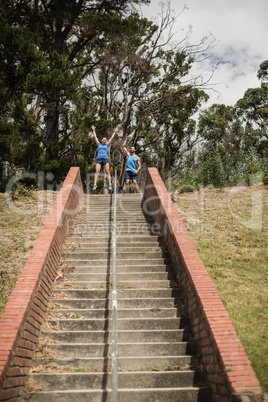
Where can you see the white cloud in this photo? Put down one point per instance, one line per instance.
(240, 29)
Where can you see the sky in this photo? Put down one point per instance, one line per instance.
(240, 32)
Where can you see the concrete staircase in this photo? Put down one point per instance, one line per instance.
(156, 353)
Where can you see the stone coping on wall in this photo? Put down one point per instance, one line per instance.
(229, 371)
(23, 315)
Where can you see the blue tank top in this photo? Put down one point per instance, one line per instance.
(132, 163)
(102, 151)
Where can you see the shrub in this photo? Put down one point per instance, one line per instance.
(186, 184)
(250, 170)
(265, 175)
(212, 172)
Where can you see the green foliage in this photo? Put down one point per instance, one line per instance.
(249, 170)
(212, 172)
(46, 51)
(252, 109)
(58, 169)
(186, 184)
(213, 123)
(263, 72)
(23, 189)
(265, 175)
(67, 65)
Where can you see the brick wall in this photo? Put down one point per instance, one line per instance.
(229, 371)
(23, 315)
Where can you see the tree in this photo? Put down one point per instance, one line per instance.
(253, 110)
(143, 83)
(97, 62)
(51, 52)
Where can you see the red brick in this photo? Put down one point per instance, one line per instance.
(21, 362)
(14, 382)
(26, 344)
(18, 371)
(10, 393)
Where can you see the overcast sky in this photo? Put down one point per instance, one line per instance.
(240, 29)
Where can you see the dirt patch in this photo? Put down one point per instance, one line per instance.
(60, 295)
(63, 315)
(56, 306)
(43, 351)
(32, 385)
(49, 326)
(44, 339)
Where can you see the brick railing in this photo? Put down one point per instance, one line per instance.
(229, 371)
(23, 315)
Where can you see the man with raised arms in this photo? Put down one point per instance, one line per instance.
(133, 166)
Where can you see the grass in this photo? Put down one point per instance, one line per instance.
(21, 221)
(230, 231)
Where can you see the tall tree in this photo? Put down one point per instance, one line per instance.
(62, 36)
(144, 76)
(253, 109)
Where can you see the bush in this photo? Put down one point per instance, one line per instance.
(265, 175)
(251, 170)
(22, 189)
(212, 172)
(187, 184)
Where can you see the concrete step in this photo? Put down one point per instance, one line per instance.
(128, 276)
(68, 263)
(120, 241)
(98, 245)
(124, 255)
(121, 313)
(131, 380)
(122, 262)
(65, 284)
(107, 212)
(97, 231)
(104, 364)
(119, 249)
(95, 221)
(171, 335)
(138, 230)
(129, 324)
(122, 303)
(101, 269)
(185, 394)
(75, 350)
(121, 293)
(124, 215)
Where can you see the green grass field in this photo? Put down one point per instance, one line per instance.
(230, 231)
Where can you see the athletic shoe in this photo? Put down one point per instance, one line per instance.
(110, 187)
(94, 186)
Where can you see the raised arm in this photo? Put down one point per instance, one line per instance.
(94, 135)
(124, 146)
(112, 137)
